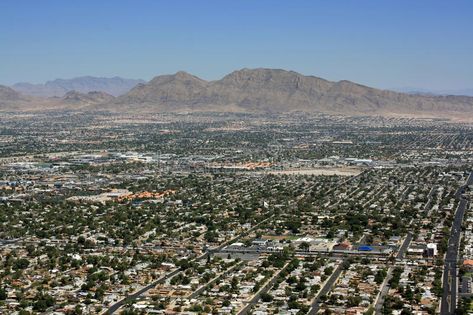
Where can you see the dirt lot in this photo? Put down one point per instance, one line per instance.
(340, 171)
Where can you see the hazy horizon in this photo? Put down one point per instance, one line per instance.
(385, 45)
(402, 89)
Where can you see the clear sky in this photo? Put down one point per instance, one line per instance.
(383, 43)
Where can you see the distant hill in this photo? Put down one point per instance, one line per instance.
(275, 90)
(114, 86)
(8, 94)
(94, 97)
(9, 98)
(254, 90)
(412, 90)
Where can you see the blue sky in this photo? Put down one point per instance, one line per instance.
(389, 43)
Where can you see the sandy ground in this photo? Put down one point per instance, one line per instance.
(340, 171)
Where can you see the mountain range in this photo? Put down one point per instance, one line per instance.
(414, 90)
(254, 90)
(114, 86)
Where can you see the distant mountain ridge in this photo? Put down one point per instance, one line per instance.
(420, 91)
(276, 90)
(8, 94)
(11, 99)
(252, 90)
(114, 86)
(94, 97)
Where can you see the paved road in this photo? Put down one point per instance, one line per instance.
(135, 295)
(325, 289)
(263, 290)
(403, 196)
(450, 276)
(328, 285)
(199, 291)
(112, 309)
(8, 242)
(428, 204)
(404, 246)
(335, 253)
(378, 305)
(461, 190)
(450, 286)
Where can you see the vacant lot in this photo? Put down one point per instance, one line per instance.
(328, 171)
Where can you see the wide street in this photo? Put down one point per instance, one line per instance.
(450, 276)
